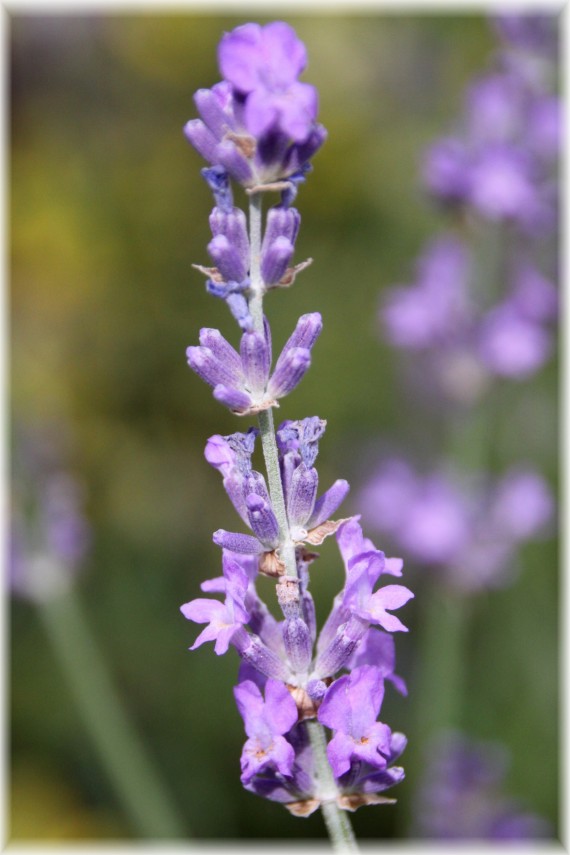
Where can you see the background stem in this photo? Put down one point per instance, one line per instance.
(121, 750)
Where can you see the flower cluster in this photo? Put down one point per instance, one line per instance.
(259, 123)
(498, 171)
(469, 530)
(462, 795)
(258, 128)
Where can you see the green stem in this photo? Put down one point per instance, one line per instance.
(121, 750)
(336, 820)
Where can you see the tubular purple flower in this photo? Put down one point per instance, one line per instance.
(215, 108)
(350, 708)
(202, 139)
(276, 259)
(255, 360)
(265, 724)
(298, 644)
(327, 504)
(227, 259)
(231, 158)
(304, 335)
(289, 372)
(262, 521)
(257, 654)
(222, 350)
(301, 495)
(243, 543)
(212, 369)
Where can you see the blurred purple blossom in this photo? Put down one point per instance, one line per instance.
(50, 534)
(462, 795)
(466, 529)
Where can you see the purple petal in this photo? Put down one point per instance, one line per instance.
(250, 704)
(262, 521)
(389, 597)
(203, 610)
(280, 708)
(339, 752)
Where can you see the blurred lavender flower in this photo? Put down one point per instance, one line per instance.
(49, 535)
(500, 168)
(462, 797)
(467, 530)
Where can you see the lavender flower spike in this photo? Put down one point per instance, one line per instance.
(258, 127)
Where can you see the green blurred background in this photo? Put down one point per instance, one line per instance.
(108, 211)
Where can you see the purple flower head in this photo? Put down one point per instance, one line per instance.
(364, 566)
(435, 309)
(502, 185)
(495, 108)
(263, 64)
(259, 124)
(446, 170)
(350, 708)
(223, 619)
(511, 345)
(266, 721)
(242, 382)
(522, 505)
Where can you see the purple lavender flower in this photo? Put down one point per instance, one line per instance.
(510, 345)
(223, 619)
(242, 382)
(263, 64)
(258, 127)
(259, 123)
(350, 708)
(266, 722)
(462, 797)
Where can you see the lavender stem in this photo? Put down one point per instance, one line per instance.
(336, 820)
(265, 418)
